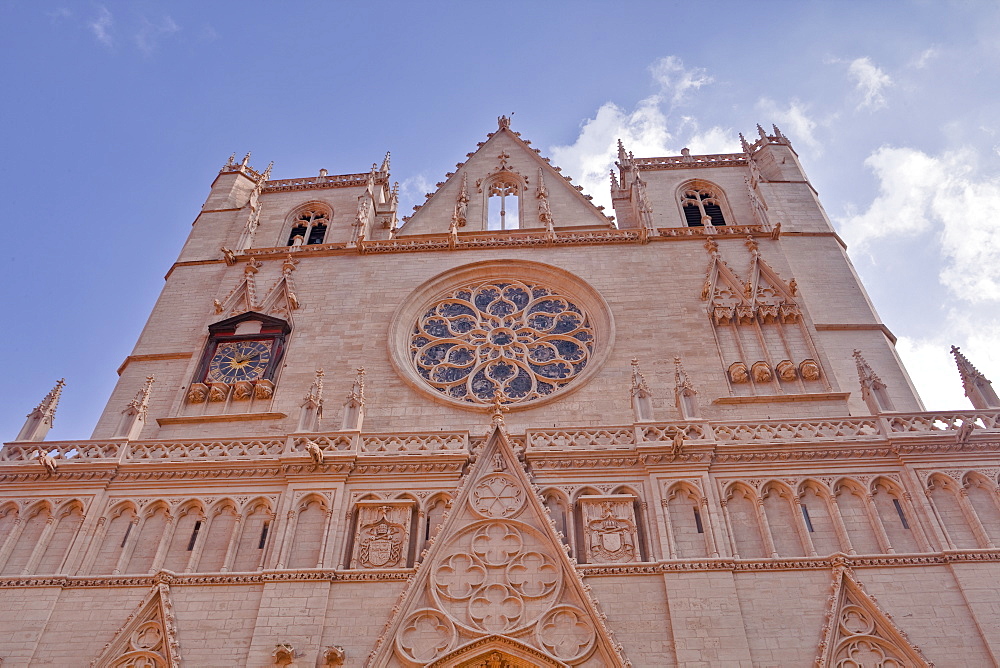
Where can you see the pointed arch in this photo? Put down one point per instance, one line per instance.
(311, 519)
(308, 224)
(255, 532)
(558, 504)
(216, 535)
(35, 519)
(687, 523)
(944, 494)
(119, 524)
(189, 526)
(502, 201)
(144, 545)
(894, 514)
(434, 512)
(778, 502)
(985, 502)
(816, 507)
(744, 522)
(698, 199)
(68, 517)
(852, 504)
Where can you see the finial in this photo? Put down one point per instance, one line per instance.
(760, 131)
(246, 160)
(498, 409)
(977, 387)
(358, 387)
(873, 390)
(744, 144)
(267, 172)
(639, 385)
(503, 122)
(777, 132)
(685, 396)
(614, 180)
(47, 406)
(231, 162)
(385, 163)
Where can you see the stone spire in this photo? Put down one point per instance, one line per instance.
(685, 395)
(354, 407)
(642, 398)
(312, 405)
(977, 387)
(134, 414)
(40, 420)
(385, 163)
(873, 390)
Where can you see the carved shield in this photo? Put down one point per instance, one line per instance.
(382, 552)
(611, 541)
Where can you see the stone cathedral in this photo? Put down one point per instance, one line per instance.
(510, 430)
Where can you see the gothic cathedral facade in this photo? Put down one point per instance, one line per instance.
(510, 430)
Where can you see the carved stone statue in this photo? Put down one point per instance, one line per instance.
(786, 370)
(47, 461)
(315, 452)
(761, 372)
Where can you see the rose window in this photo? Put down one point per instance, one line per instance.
(516, 340)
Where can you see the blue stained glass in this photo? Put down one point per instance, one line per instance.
(485, 297)
(437, 328)
(452, 309)
(501, 371)
(567, 323)
(541, 321)
(568, 349)
(542, 353)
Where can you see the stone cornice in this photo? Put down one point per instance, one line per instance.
(181, 579)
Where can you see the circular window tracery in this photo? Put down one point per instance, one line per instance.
(519, 340)
(515, 331)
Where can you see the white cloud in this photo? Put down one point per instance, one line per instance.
(925, 57)
(944, 195)
(101, 26)
(676, 80)
(794, 121)
(412, 191)
(148, 37)
(932, 367)
(645, 130)
(870, 81)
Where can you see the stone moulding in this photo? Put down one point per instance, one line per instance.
(586, 570)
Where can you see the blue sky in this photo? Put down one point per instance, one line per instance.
(117, 116)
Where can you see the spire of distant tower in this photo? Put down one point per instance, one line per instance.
(977, 387)
(873, 390)
(41, 418)
(134, 414)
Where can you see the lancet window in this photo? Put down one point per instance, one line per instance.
(503, 198)
(701, 201)
(309, 227)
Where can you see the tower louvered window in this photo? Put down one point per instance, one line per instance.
(310, 227)
(699, 203)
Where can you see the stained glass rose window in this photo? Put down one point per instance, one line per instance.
(519, 340)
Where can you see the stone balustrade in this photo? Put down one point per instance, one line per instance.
(870, 429)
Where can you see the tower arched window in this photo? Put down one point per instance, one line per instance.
(700, 201)
(503, 199)
(309, 227)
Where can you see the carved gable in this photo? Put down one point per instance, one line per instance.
(496, 568)
(504, 164)
(859, 633)
(148, 639)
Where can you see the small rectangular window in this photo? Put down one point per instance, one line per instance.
(805, 516)
(697, 521)
(263, 536)
(899, 511)
(194, 535)
(128, 530)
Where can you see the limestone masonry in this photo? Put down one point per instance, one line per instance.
(511, 430)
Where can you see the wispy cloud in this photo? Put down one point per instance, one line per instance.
(925, 57)
(795, 120)
(676, 80)
(59, 13)
(870, 81)
(149, 34)
(102, 25)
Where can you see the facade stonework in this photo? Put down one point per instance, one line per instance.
(511, 429)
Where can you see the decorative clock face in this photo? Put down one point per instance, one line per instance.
(236, 361)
